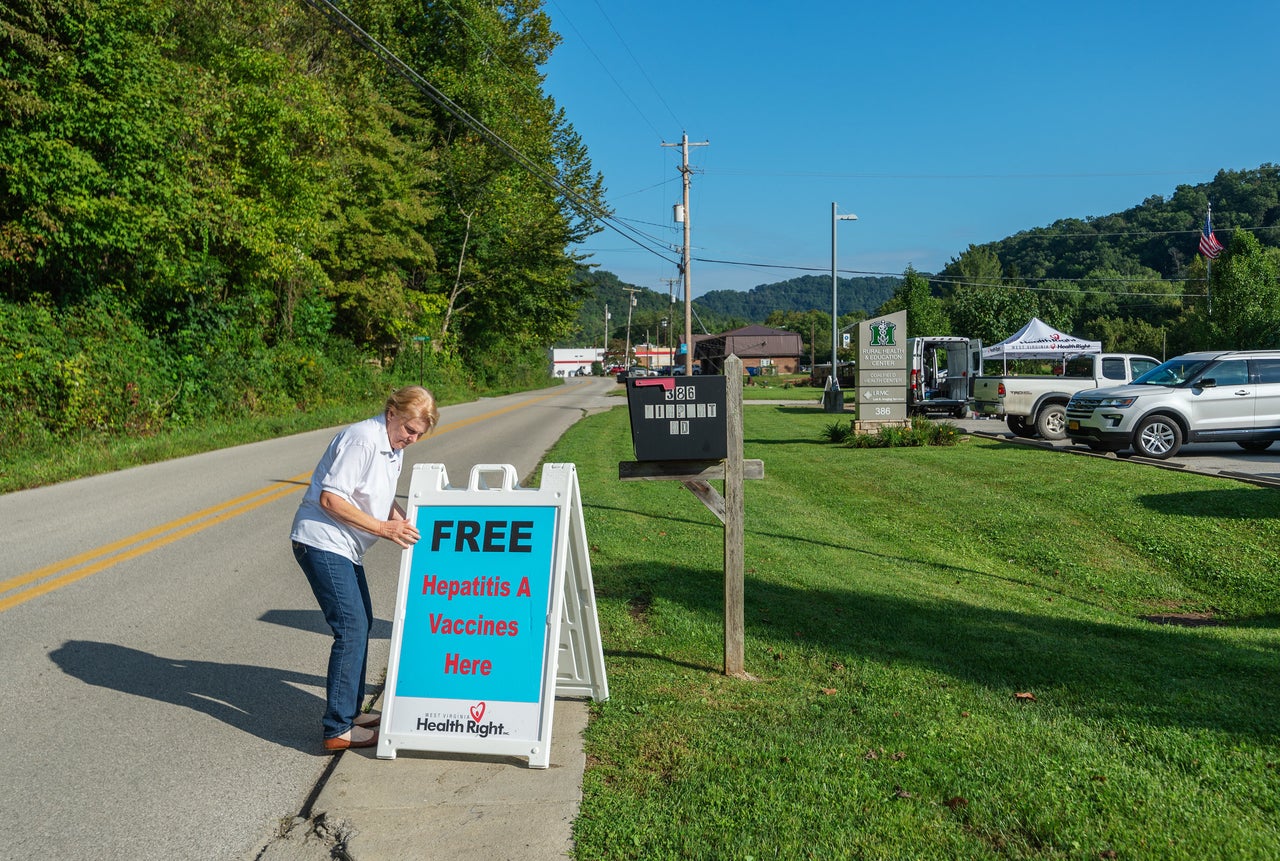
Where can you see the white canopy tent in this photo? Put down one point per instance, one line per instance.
(1039, 340)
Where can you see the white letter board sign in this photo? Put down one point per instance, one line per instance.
(495, 615)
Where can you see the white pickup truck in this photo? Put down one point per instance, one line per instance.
(1038, 404)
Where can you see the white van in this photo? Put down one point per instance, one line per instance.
(940, 379)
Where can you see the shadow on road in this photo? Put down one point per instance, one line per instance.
(261, 701)
(312, 621)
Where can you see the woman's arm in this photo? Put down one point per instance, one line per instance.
(395, 528)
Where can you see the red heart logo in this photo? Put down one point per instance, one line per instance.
(477, 712)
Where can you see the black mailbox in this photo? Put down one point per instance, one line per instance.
(678, 418)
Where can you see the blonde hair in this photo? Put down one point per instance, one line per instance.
(414, 403)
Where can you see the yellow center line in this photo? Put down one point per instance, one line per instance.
(58, 582)
(167, 533)
(89, 555)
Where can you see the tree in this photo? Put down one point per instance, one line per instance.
(1245, 296)
(813, 327)
(503, 233)
(925, 314)
(977, 266)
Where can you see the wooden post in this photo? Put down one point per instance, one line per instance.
(734, 527)
(729, 509)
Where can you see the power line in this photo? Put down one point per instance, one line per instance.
(960, 282)
(937, 176)
(584, 206)
(643, 73)
(937, 278)
(562, 16)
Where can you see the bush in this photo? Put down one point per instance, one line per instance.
(837, 432)
(921, 432)
(84, 369)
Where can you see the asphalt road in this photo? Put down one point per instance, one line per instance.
(164, 659)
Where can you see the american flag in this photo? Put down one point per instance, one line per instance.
(1209, 245)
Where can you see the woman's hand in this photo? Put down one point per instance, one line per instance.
(400, 531)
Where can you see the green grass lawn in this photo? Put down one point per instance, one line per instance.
(780, 389)
(949, 653)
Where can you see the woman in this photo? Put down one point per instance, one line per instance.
(350, 504)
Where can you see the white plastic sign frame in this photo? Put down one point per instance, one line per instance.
(495, 615)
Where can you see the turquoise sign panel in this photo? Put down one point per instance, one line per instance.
(475, 617)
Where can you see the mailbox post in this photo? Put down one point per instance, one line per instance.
(689, 429)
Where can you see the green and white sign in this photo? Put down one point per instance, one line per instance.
(882, 368)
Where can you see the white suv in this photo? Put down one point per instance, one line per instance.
(1198, 397)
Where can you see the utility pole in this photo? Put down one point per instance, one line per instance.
(631, 303)
(683, 215)
(671, 327)
(604, 353)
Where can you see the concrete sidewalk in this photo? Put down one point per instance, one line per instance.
(441, 805)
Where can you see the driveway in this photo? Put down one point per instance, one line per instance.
(1215, 458)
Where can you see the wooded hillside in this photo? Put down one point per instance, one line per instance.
(1134, 280)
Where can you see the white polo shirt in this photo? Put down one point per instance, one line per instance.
(360, 466)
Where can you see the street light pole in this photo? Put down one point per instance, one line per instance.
(833, 400)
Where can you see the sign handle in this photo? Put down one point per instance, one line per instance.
(505, 473)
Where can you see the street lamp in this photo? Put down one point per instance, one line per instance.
(833, 398)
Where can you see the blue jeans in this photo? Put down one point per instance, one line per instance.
(340, 587)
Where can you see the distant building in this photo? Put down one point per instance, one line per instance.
(761, 349)
(574, 361)
(649, 356)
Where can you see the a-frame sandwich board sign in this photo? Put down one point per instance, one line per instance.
(495, 615)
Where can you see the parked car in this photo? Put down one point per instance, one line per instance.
(1033, 405)
(635, 371)
(1222, 396)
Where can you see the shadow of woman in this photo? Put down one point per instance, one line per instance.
(262, 701)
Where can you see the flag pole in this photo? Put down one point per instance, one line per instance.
(1208, 263)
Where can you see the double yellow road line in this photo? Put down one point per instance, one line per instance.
(33, 584)
(59, 574)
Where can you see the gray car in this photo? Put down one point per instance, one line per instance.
(1218, 396)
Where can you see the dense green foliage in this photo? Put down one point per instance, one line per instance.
(211, 208)
(925, 313)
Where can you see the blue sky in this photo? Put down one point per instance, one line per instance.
(938, 124)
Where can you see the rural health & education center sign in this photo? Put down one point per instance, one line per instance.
(882, 368)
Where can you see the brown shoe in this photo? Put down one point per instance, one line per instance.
(354, 737)
(368, 719)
